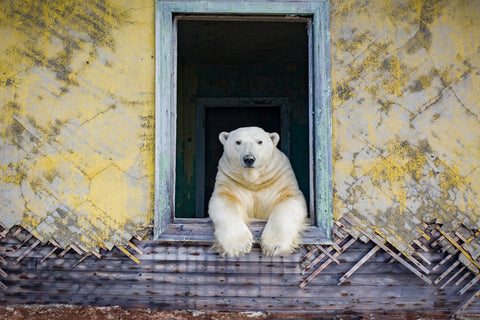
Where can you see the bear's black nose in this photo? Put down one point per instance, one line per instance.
(249, 160)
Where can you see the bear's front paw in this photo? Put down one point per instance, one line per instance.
(233, 241)
(273, 244)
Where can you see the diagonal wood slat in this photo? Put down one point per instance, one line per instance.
(443, 262)
(467, 303)
(82, 259)
(128, 254)
(469, 284)
(328, 254)
(462, 278)
(446, 272)
(394, 255)
(27, 251)
(350, 272)
(434, 238)
(55, 248)
(320, 257)
(449, 280)
(459, 247)
(326, 263)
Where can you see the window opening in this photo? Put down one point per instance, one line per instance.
(176, 114)
(234, 74)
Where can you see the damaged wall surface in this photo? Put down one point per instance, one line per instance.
(77, 125)
(406, 108)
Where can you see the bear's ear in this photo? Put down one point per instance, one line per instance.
(275, 138)
(223, 136)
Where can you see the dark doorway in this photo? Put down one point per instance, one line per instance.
(261, 69)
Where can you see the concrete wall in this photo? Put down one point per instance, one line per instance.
(77, 124)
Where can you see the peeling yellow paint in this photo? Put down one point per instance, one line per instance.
(406, 115)
(76, 85)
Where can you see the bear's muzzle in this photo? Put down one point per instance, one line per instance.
(248, 161)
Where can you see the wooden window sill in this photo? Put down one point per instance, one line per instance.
(202, 231)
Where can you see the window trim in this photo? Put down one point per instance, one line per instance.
(168, 228)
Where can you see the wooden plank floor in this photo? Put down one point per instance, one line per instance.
(185, 276)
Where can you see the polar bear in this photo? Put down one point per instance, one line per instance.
(255, 181)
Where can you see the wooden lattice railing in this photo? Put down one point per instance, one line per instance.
(458, 267)
(455, 268)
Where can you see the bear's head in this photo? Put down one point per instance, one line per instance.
(249, 147)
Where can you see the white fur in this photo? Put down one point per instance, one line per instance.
(267, 190)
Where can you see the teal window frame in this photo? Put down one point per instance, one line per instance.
(166, 226)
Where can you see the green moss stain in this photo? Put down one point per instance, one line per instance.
(355, 44)
(65, 121)
(13, 174)
(428, 11)
(396, 77)
(420, 84)
(10, 127)
(73, 25)
(402, 79)
(343, 91)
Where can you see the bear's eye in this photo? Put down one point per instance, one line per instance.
(238, 142)
(260, 142)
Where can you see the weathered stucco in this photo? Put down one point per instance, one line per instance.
(406, 108)
(77, 130)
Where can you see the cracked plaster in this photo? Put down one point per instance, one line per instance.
(76, 85)
(405, 79)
